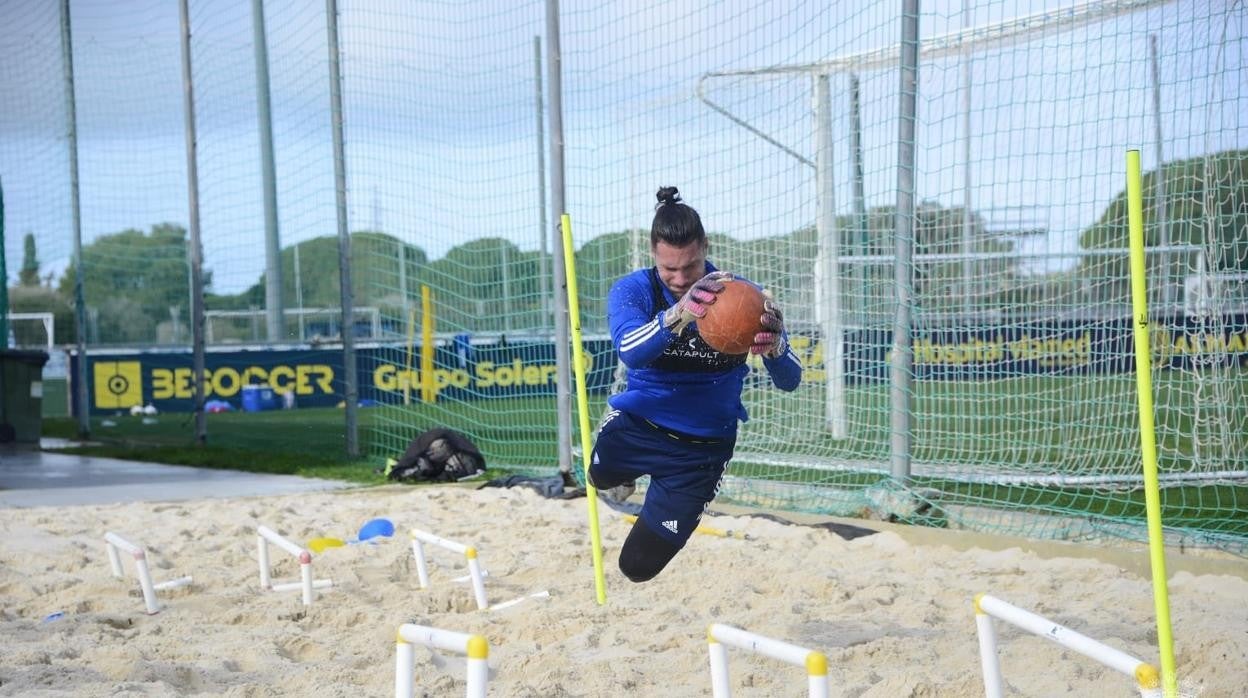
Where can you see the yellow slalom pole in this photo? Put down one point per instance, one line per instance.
(428, 389)
(411, 347)
(1148, 444)
(582, 404)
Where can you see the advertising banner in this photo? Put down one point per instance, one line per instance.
(464, 370)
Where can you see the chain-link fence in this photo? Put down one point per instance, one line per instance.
(956, 175)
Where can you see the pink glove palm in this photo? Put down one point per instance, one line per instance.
(770, 342)
(692, 305)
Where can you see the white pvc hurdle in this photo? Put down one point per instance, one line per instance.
(520, 600)
(718, 635)
(987, 607)
(264, 536)
(475, 647)
(469, 553)
(114, 542)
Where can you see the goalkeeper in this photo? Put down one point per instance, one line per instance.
(676, 420)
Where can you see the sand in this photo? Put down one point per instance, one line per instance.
(894, 619)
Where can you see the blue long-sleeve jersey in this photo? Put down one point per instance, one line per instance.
(680, 382)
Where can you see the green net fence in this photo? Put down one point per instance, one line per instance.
(783, 126)
(34, 159)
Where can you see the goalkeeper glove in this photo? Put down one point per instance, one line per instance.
(692, 305)
(770, 342)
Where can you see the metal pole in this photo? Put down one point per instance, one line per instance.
(554, 63)
(543, 273)
(901, 367)
(403, 277)
(80, 305)
(968, 281)
(274, 314)
(860, 197)
(175, 312)
(1159, 179)
(194, 248)
(375, 226)
(506, 271)
(350, 389)
(604, 286)
(637, 237)
(299, 294)
(828, 270)
(4, 289)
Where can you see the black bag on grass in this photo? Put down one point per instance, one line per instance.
(438, 455)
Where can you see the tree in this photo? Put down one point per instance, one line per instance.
(375, 273)
(41, 299)
(599, 263)
(468, 282)
(132, 280)
(382, 267)
(29, 274)
(1206, 205)
(786, 262)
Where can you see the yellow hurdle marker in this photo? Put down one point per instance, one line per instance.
(705, 530)
(989, 607)
(428, 386)
(115, 542)
(718, 635)
(475, 647)
(266, 535)
(582, 406)
(411, 348)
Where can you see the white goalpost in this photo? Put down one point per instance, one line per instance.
(38, 331)
(827, 270)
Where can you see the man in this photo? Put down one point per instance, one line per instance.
(676, 420)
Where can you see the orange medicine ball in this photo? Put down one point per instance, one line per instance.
(734, 318)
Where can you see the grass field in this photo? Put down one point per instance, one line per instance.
(307, 442)
(1037, 425)
(1051, 424)
(518, 432)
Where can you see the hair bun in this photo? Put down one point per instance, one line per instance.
(668, 195)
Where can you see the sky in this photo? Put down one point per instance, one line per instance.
(442, 133)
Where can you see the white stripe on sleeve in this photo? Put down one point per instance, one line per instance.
(638, 336)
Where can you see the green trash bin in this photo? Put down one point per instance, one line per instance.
(21, 396)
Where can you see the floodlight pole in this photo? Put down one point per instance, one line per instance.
(80, 304)
(350, 389)
(828, 269)
(195, 249)
(1159, 179)
(968, 282)
(543, 274)
(558, 205)
(273, 306)
(861, 222)
(902, 364)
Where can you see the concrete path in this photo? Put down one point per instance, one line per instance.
(30, 478)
